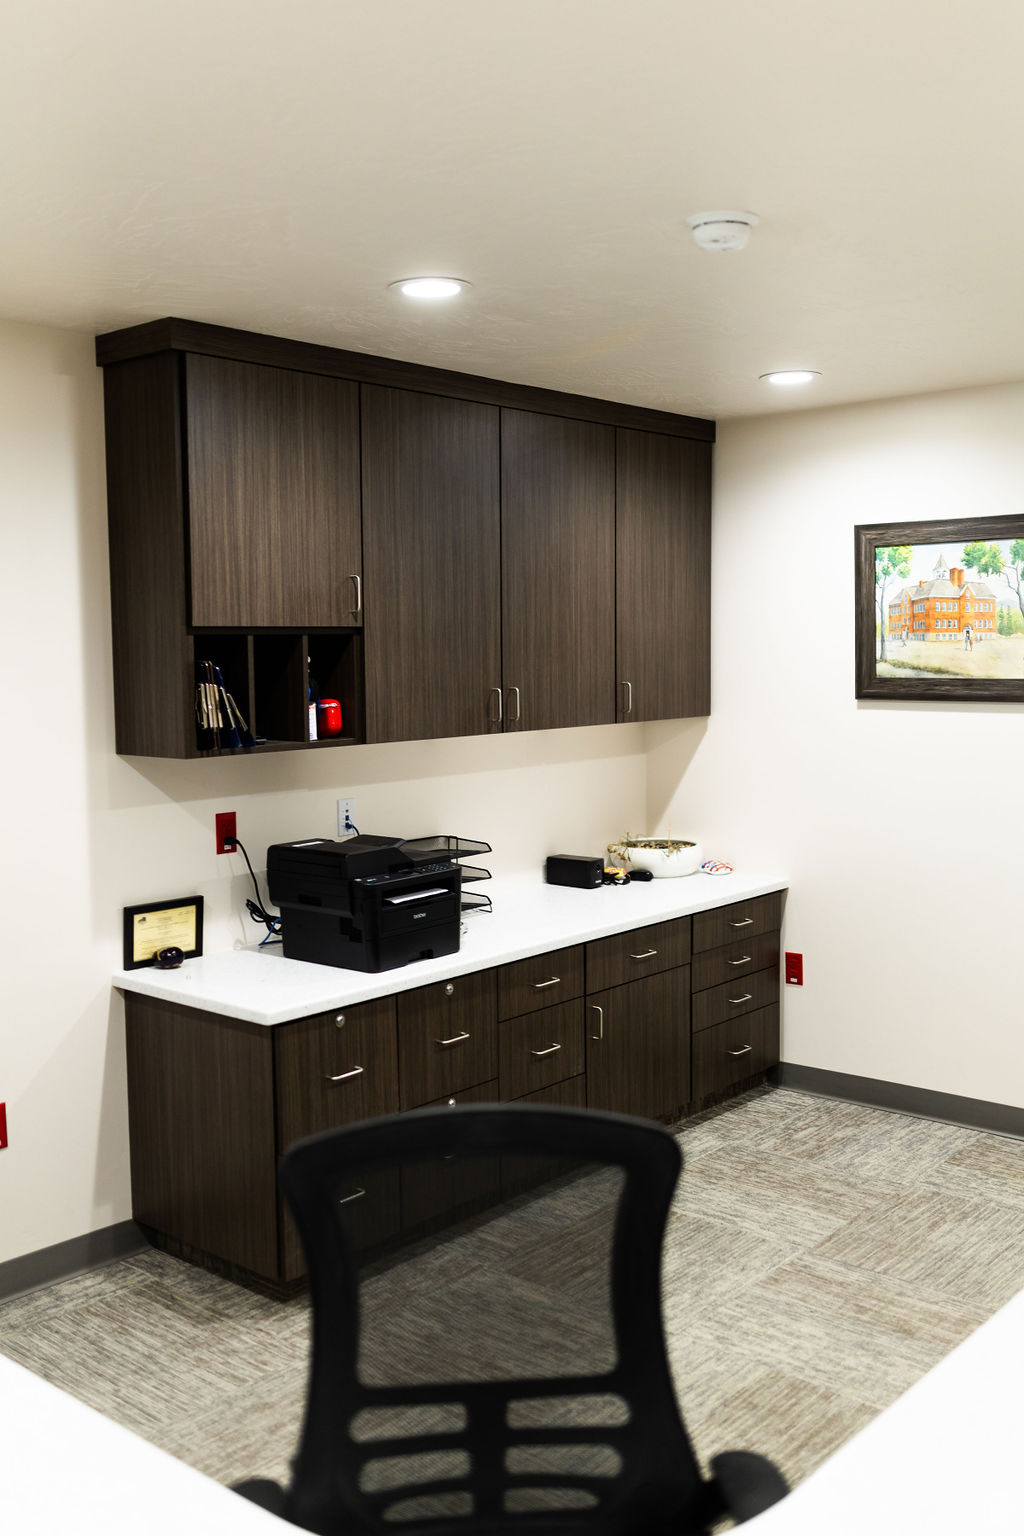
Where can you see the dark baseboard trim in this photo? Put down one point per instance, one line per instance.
(71, 1258)
(978, 1114)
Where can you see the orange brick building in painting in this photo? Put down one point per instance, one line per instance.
(943, 608)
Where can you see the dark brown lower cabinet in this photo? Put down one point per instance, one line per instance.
(450, 1187)
(729, 1053)
(638, 1045)
(214, 1102)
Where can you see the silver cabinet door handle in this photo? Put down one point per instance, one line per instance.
(600, 1022)
(495, 719)
(342, 1075)
(547, 1052)
(744, 999)
(741, 1052)
(539, 986)
(646, 955)
(346, 1199)
(743, 960)
(455, 1039)
(744, 922)
(627, 708)
(357, 590)
(514, 719)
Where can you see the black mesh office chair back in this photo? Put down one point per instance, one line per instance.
(595, 1445)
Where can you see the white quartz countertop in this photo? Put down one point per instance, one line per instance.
(529, 917)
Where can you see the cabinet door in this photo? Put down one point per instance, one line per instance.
(273, 489)
(663, 576)
(433, 552)
(638, 1046)
(557, 571)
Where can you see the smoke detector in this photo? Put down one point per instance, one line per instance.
(727, 229)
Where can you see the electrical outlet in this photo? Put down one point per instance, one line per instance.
(346, 818)
(226, 831)
(794, 969)
(3, 1126)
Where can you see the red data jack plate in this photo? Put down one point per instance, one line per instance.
(794, 969)
(225, 831)
(3, 1126)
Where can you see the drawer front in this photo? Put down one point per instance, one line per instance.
(730, 1052)
(744, 995)
(625, 956)
(540, 1049)
(540, 982)
(430, 1190)
(447, 1038)
(714, 967)
(521, 1173)
(744, 919)
(335, 1068)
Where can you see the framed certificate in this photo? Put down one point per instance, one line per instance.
(161, 925)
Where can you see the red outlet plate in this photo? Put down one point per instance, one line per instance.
(794, 970)
(3, 1126)
(226, 831)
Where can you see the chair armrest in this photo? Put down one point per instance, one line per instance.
(748, 1483)
(263, 1491)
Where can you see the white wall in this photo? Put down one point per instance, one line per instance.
(87, 832)
(900, 826)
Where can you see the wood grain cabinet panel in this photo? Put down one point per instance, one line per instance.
(336, 1068)
(522, 1173)
(447, 1038)
(638, 1046)
(274, 497)
(714, 967)
(741, 919)
(433, 1190)
(557, 571)
(663, 576)
(730, 1053)
(433, 565)
(744, 995)
(540, 982)
(540, 1049)
(641, 952)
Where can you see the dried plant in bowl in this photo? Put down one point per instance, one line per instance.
(665, 857)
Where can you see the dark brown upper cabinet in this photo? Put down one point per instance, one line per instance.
(432, 548)
(557, 571)
(663, 576)
(273, 496)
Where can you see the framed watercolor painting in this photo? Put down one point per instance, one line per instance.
(940, 610)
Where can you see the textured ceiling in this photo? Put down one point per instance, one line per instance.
(274, 165)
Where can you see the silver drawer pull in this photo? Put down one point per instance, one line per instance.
(342, 1075)
(744, 999)
(455, 1039)
(645, 956)
(743, 960)
(547, 1052)
(347, 1199)
(600, 1022)
(744, 922)
(539, 986)
(741, 1052)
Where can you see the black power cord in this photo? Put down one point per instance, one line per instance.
(257, 911)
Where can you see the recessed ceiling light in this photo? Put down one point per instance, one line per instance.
(430, 287)
(788, 376)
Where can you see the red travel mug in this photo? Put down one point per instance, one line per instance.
(328, 713)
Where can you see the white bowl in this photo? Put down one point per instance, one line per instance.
(665, 857)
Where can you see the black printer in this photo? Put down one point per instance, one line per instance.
(368, 903)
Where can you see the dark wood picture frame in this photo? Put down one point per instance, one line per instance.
(870, 537)
(131, 913)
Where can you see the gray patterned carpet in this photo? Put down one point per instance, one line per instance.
(820, 1258)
